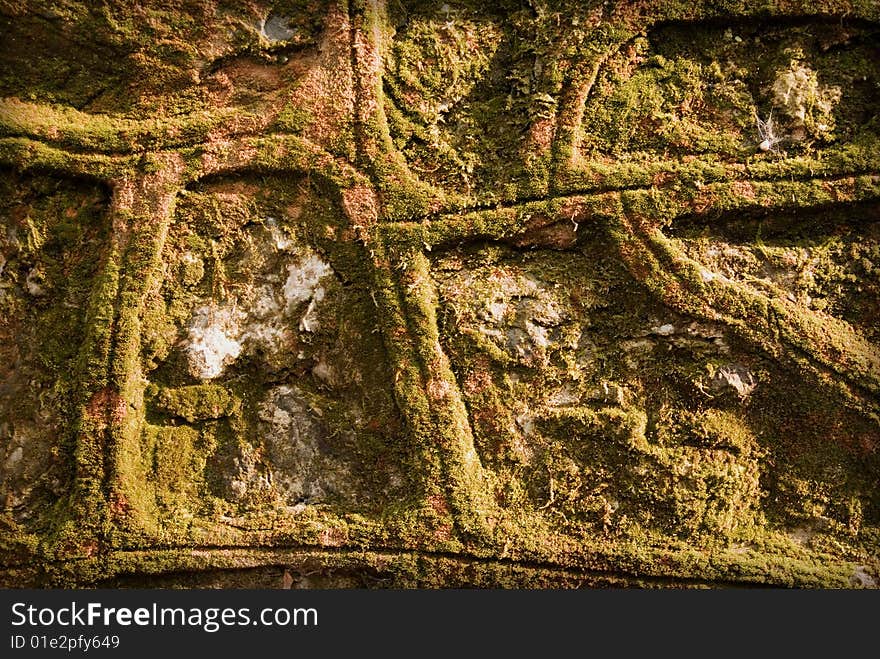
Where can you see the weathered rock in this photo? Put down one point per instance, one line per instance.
(735, 378)
(299, 449)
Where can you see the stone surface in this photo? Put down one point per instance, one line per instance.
(328, 294)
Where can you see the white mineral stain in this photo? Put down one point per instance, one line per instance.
(259, 317)
(213, 341)
(269, 336)
(282, 241)
(31, 284)
(302, 280)
(309, 322)
(276, 28)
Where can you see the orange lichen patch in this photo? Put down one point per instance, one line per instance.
(672, 290)
(479, 379)
(843, 189)
(444, 532)
(439, 505)
(89, 548)
(124, 191)
(540, 137)
(294, 211)
(106, 406)
(551, 232)
(333, 536)
(743, 190)
(702, 201)
(559, 235)
(222, 154)
(220, 89)
(438, 389)
(398, 332)
(360, 206)
(365, 47)
(254, 75)
(443, 529)
(488, 419)
(574, 99)
(118, 504)
(153, 195)
(632, 257)
(644, 224)
(325, 90)
(869, 443)
(662, 178)
(234, 192)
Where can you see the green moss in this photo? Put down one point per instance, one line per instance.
(199, 402)
(292, 119)
(177, 458)
(72, 129)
